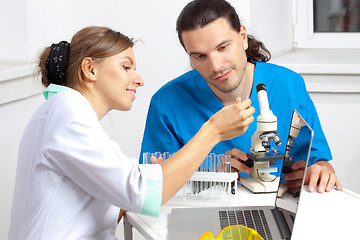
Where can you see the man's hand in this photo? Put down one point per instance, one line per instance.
(294, 179)
(236, 164)
(321, 173)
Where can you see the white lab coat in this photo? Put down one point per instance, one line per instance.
(70, 175)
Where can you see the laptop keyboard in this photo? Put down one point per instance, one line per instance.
(254, 219)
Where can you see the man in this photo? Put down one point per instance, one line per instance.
(229, 64)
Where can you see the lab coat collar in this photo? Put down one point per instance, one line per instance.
(54, 88)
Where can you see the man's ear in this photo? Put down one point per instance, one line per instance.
(244, 37)
(87, 68)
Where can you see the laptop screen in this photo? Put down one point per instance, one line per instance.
(297, 152)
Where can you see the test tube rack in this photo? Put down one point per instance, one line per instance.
(213, 179)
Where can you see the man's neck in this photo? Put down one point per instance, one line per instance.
(243, 90)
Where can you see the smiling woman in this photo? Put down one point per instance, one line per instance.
(112, 82)
(71, 178)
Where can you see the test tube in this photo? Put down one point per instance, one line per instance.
(207, 164)
(219, 185)
(227, 163)
(210, 183)
(243, 97)
(166, 155)
(207, 169)
(200, 169)
(227, 170)
(213, 158)
(157, 155)
(146, 158)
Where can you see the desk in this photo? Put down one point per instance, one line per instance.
(319, 216)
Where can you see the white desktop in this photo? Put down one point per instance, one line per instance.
(320, 216)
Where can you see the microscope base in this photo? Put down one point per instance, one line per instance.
(258, 186)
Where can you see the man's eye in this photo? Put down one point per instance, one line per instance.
(200, 57)
(126, 68)
(221, 48)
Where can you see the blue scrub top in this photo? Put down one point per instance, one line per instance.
(180, 107)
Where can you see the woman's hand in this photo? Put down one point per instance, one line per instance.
(233, 120)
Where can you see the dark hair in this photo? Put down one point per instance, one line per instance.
(199, 13)
(94, 42)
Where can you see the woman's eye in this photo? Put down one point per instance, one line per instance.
(126, 68)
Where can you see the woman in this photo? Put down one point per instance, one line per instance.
(71, 178)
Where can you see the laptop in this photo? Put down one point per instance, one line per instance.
(271, 222)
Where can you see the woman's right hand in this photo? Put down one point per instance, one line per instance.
(233, 120)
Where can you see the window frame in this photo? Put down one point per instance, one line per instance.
(306, 38)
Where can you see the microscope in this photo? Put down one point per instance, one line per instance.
(261, 156)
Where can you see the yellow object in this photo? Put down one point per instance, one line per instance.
(233, 232)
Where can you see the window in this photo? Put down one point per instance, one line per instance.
(327, 24)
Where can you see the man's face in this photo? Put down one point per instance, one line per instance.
(217, 52)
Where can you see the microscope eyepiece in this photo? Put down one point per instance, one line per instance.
(260, 87)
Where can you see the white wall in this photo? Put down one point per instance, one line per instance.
(29, 25)
(339, 116)
(272, 23)
(14, 45)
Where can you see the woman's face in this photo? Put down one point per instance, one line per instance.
(116, 80)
